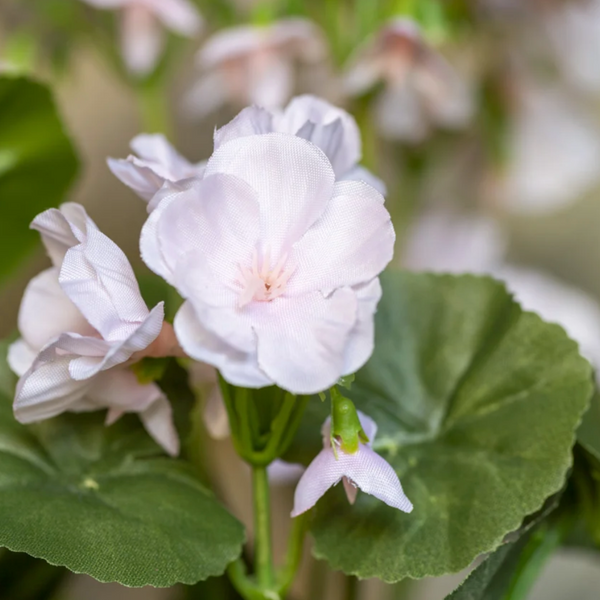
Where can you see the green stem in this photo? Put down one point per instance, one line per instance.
(154, 110)
(238, 576)
(263, 550)
(294, 554)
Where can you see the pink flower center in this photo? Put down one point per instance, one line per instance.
(261, 282)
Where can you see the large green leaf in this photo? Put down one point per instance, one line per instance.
(105, 502)
(37, 164)
(477, 404)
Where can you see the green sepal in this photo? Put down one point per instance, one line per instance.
(346, 431)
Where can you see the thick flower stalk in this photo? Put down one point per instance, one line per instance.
(278, 263)
(82, 322)
(361, 468)
(142, 22)
(254, 65)
(421, 88)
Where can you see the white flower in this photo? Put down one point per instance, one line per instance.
(330, 128)
(364, 470)
(81, 322)
(156, 162)
(142, 38)
(277, 262)
(422, 88)
(253, 65)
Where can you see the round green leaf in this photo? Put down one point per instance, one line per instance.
(477, 404)
(37, 164)
(103, 501)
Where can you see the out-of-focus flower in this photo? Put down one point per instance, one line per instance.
(254, 65)
(330, 128)
(447, 242)
(421, 88)
(553, 153)
(142, 36)
(364, 470)
(156, 162)
(277, 262)
(82, 321)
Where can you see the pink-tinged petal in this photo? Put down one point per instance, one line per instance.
(46, 311)
(362, 75)
(180, 16)
(362, 337)
(400, 114)
(358, 173)
(215, 416)
(322, 473)
(112, 416)
(142, 39)
(374, 476)
(301, 340)
(350, 489)
(330, 128)
(253, 120)
(21, 356)
(230, 44)
(350, 244)
(281, 472)
(292, 178)
(238, 368)
(47, 389)
(99, 280)
(271, 80)
(299, 38)
(62, 229)
(158, 421)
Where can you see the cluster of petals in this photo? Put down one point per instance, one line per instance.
(142, 22)
(254, 64)
(421, 88)
(277, 261)
(365, 470)
(83, 322)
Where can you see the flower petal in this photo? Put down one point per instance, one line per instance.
(253, 120)
(301, 340)
(142, 39)
(359, 173)
(137, 175)
(350, 244)
(215, 416)
(180, 16)
(21, 356)
(292, 178)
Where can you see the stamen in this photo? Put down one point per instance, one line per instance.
(259, 282)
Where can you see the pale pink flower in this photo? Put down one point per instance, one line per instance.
(142, 22)
(364, 470)
(82, 321)
(330, 128)
(154, 163)
(277, 261)
(421, 88)
(254, 65)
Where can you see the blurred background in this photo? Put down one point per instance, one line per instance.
(482, 118)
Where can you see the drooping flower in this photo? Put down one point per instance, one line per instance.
(278, 263)
(330, 128)
(364, 470)
(156, 162)
(254, 65)
(82, 322)
(142, 37)
(421, 88)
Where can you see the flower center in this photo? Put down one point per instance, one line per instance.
(261, 282)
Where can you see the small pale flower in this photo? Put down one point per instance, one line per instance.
(421, 88)
(155, 162)
(277, 261)
(254, 65)
(82, 322)
(142, 37)
(364, 470)
(330, 128)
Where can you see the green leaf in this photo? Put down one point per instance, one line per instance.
(37, 164)
(477, 404)
(103, 501)
(588, 434)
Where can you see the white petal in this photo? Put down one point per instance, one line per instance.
(299, 38)
(238, 368)
(350, 244)
(283, 473)
(270, 80)
(46, 311)
(359, 173)
(361, 340)
(292, 178)
(205, 96)
(400, 114)
(62, 229)
(142, 39)
(158, 421)
(301, 340)
(21, 356)
(137, 175)
(330, 128)
(181, 16)
(253, 120)
(231, 43)
(215, 416)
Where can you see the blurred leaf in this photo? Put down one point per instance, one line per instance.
(588, 434)
(37, 164)
(477, 404)
(103, 501)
